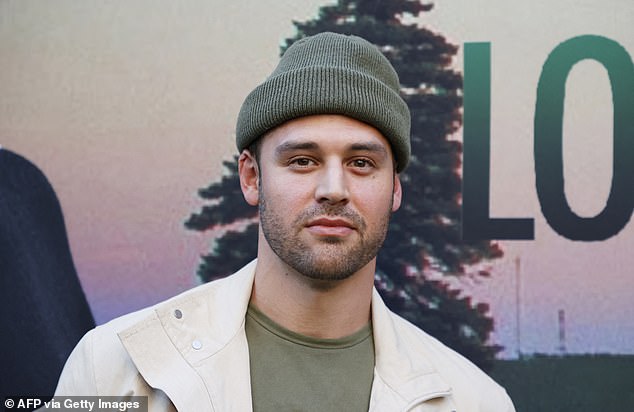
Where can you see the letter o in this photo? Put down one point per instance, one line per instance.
(549, 112)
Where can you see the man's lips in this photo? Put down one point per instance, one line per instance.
(330, 227)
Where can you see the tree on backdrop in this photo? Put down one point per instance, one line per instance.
(423, 247)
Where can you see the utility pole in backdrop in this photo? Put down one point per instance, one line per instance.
(562, 332)
(518, 336)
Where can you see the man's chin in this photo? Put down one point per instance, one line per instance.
(326, 279)
(332, 240)
(330, 268)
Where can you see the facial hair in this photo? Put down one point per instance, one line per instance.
(332, 258)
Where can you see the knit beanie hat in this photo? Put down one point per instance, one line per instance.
(330, 74)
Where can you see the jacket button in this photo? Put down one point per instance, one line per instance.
(178, 314)
(197, 344)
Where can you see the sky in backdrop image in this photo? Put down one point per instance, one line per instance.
(130, 107)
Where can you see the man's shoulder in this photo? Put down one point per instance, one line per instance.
(123, 322)
(434, 350)
(467, 380)
(101, 361)
(205, 292)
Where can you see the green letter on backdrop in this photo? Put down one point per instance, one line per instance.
(549, 112)
(476, 222)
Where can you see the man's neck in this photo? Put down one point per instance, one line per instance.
(322, 309)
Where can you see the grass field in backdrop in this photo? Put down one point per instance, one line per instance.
(575, 383)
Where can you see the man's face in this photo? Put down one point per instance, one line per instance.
(326, 190)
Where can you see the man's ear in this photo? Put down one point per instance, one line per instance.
(398, 193)
(249, 177)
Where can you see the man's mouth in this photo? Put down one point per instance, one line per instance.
(330, 226)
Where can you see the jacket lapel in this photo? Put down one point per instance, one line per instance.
(199, 355)
(162, 366)
(403, 376)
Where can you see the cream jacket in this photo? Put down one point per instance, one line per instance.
(190, 353)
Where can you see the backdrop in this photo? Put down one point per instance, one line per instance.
(130, 107)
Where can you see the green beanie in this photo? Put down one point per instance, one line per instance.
(330, 74)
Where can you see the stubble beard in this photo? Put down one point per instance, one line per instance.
(332, 258)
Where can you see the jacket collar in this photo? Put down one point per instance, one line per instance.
(199, 335)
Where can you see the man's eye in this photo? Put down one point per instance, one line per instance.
(302, 162)
(361, 163)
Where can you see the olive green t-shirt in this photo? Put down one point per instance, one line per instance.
(293, 372)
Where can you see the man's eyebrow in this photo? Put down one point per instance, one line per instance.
(311, 145)
(292, 146)
(369, 147)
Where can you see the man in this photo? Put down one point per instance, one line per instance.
(322, 141)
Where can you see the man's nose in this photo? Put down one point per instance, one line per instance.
(332, 186)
